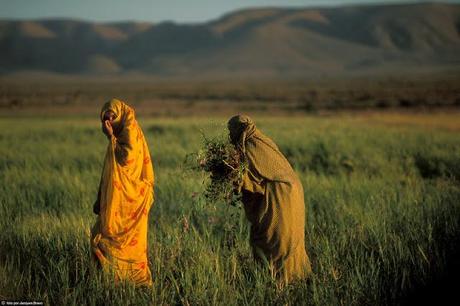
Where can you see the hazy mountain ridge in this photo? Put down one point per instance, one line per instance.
(270, 42)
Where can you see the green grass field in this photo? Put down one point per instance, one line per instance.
(383, 205)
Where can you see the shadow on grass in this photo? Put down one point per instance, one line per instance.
(442, 287)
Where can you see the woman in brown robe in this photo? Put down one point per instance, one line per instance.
(273, 201)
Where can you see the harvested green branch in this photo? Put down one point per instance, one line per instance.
(225, 165)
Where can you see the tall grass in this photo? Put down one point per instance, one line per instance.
(383, 207)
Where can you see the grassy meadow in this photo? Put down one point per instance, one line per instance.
(382, 194)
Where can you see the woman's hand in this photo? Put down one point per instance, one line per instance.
(107, 128)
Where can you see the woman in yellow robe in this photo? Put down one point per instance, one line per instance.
(119, 237)
(273, 200)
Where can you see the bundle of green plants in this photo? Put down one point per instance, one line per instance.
(225, 166)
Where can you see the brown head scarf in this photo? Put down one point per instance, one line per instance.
(261, 153)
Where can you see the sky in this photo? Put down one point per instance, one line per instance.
(183, 11)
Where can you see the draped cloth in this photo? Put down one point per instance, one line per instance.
(273, 200)
(119, 237)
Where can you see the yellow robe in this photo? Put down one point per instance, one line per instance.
(119, 237)
(273, 201)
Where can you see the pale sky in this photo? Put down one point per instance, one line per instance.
(154, 10)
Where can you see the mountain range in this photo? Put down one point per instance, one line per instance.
(259, 42)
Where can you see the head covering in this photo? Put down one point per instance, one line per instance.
(124, 114)
(240, 127)
(261, 153)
